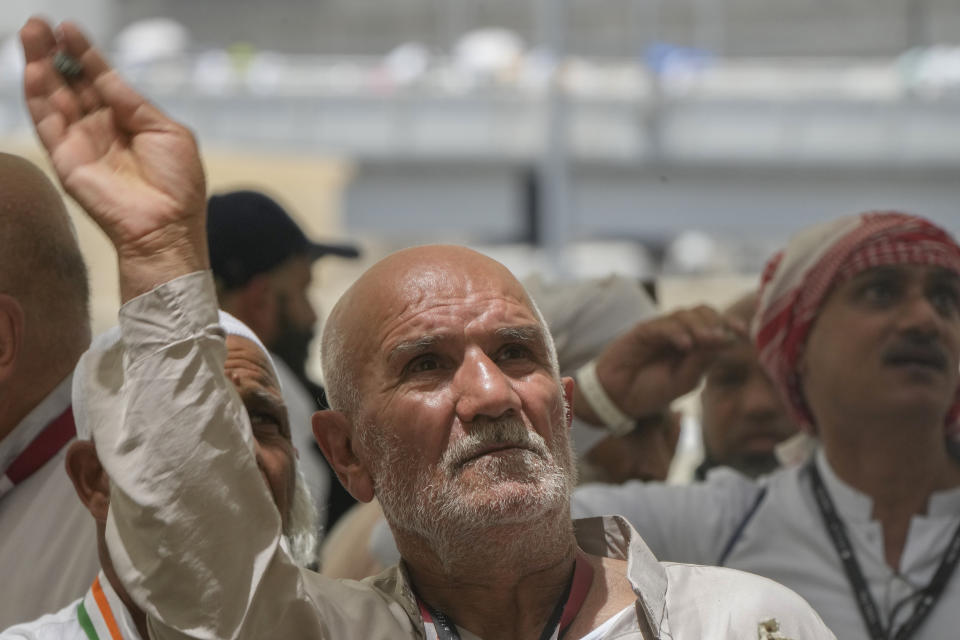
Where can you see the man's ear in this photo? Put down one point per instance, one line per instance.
(90, 481)
(332, 432)
(567, 383)
(11, 335)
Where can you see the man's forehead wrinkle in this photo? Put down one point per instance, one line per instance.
(427, 320)
(254, 373)
(407, 283)
(244, 355)
(262, 397)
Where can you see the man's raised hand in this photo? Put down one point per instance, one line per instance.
(659, 360)
(135, 171)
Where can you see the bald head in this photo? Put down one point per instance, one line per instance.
(404, 284)
(42, 268)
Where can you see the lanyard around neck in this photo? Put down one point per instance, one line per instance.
(36, 454)
(928, 596)
(559, 621)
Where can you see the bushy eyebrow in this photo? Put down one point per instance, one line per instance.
(530, 334)
(417, 345)
(259, 400)
(892, 271)
(943, 274)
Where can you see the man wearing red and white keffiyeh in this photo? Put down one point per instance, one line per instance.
(858, 326)
(797, 282)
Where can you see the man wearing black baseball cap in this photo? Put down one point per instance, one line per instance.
(261, 262)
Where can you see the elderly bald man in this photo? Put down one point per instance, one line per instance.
(48, 550)
(450, 410)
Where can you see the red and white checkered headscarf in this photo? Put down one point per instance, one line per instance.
(796, 281)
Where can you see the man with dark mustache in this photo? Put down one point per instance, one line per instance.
(431, 347)
(858, 326)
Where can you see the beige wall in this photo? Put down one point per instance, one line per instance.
(309, 187)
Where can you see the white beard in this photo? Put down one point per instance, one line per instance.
(303, 528)
(448, 503)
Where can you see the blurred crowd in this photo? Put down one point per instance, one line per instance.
(486, 458)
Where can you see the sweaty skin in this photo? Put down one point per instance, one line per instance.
(442, 343)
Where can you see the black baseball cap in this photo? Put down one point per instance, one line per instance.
(248, 233)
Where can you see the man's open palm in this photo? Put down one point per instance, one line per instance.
(135, 171)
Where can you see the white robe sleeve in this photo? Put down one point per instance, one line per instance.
(680, 523)
(192, 530)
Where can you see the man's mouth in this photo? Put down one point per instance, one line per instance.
(931, 357)
(492, 440)
(489, 449)
(759, 441)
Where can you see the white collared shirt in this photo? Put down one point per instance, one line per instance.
(785, 539)
(48, 544)
(103, 617)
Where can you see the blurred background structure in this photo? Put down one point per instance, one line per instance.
(679, 141)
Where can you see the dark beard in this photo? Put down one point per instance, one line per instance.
(292, 343)
(293, 347)
(753, 465)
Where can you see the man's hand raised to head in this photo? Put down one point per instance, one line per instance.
(659, 360)
(135, 171)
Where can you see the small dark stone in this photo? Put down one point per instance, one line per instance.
(68, 66)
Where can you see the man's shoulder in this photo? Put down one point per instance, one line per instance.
(49, 544)
(62, 625)
(379, 606)
(731, 488)
(714, 598)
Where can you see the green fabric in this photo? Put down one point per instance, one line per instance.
(85, 622)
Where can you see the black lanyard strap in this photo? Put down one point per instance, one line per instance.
(927, 597)
(444, 627)
(573, 596)
(447, 630)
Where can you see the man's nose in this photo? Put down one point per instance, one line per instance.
(919, 316)
(483, 389)
(759, 397)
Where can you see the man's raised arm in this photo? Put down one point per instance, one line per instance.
(135, 171)
(192, 531)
